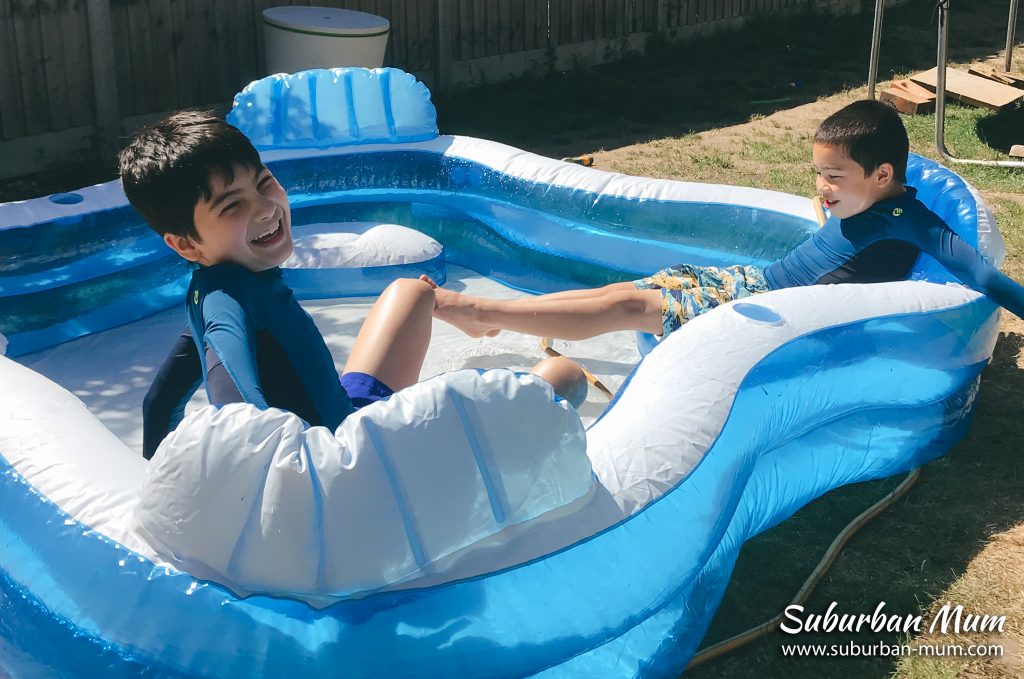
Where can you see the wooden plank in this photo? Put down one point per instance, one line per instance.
(634, 16)
(488, 28)
(463, 31)
(204, 28)
(184, 51)
(992, 74)
(414, 59)
(479, 29)
(388, 10)
(54, 64)
(600, 20)
(243, 40)
(971, 88)
(196, 21)
(532, 36)
(447, 23)
(907, 103)
(576, 20)
(166, 90)
(517, 20)
(104, 78)
(913, 88)
(258, 49)
(31, 69)
(565, 25)
(421, 33)
(74, 30)
(554, 21)
(559, 17)
(122, 58)
(400, 34)
(670, 14)
(504, 29)
(226, 20)
(12, 104)
(428, 38)
(143, 73)
(617, 18)
(675, 15)
(607, 14)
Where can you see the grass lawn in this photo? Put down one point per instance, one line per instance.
(696, 112)
(740, 108)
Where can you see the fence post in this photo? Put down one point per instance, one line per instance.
(104, 79)
(443, 33)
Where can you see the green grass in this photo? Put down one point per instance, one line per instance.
(713, 160)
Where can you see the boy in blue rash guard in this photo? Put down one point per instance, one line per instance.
(200, 183)
(877, 231)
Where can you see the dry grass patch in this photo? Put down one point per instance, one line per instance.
(993, 585)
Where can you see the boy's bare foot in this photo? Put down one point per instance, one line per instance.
(458, 310)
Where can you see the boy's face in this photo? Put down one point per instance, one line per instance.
(245, 221)
(844, 188)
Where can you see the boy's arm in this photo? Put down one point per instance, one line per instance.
(175, 382)
(230, 350)
(308, 353)
(967, 264)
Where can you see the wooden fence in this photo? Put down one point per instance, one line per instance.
(64, 63)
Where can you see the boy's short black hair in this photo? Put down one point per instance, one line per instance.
(871, 133)
(166, 167)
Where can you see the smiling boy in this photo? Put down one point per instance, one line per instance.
(878, 229)
(200, 184)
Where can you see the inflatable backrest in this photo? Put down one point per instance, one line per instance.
(943, 192)
(336, 107)
(260, 502)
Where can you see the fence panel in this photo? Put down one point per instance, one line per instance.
(31, 69)
(173, 54)
(73, 23)
(54, 62)
(12, 104)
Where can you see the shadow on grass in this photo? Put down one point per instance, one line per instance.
(772, 63)
(905, 557)
(1004, 129)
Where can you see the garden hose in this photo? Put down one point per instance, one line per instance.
(733, 643)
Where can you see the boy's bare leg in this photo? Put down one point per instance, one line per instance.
(565, 377)
(392, 342)
(572, 315)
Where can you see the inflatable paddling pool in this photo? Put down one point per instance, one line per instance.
(469, 526)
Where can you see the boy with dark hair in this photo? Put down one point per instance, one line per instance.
(860, 157)
(200, 183)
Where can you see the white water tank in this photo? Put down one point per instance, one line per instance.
(298, 38)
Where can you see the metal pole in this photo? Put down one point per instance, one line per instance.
(1010, 27)
(940, 99)
(876, 40)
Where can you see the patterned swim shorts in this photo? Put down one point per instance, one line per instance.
(688, 291)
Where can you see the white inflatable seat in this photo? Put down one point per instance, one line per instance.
(359, 244)
(261, 502)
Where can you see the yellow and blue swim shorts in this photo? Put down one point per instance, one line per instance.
(688, 291)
